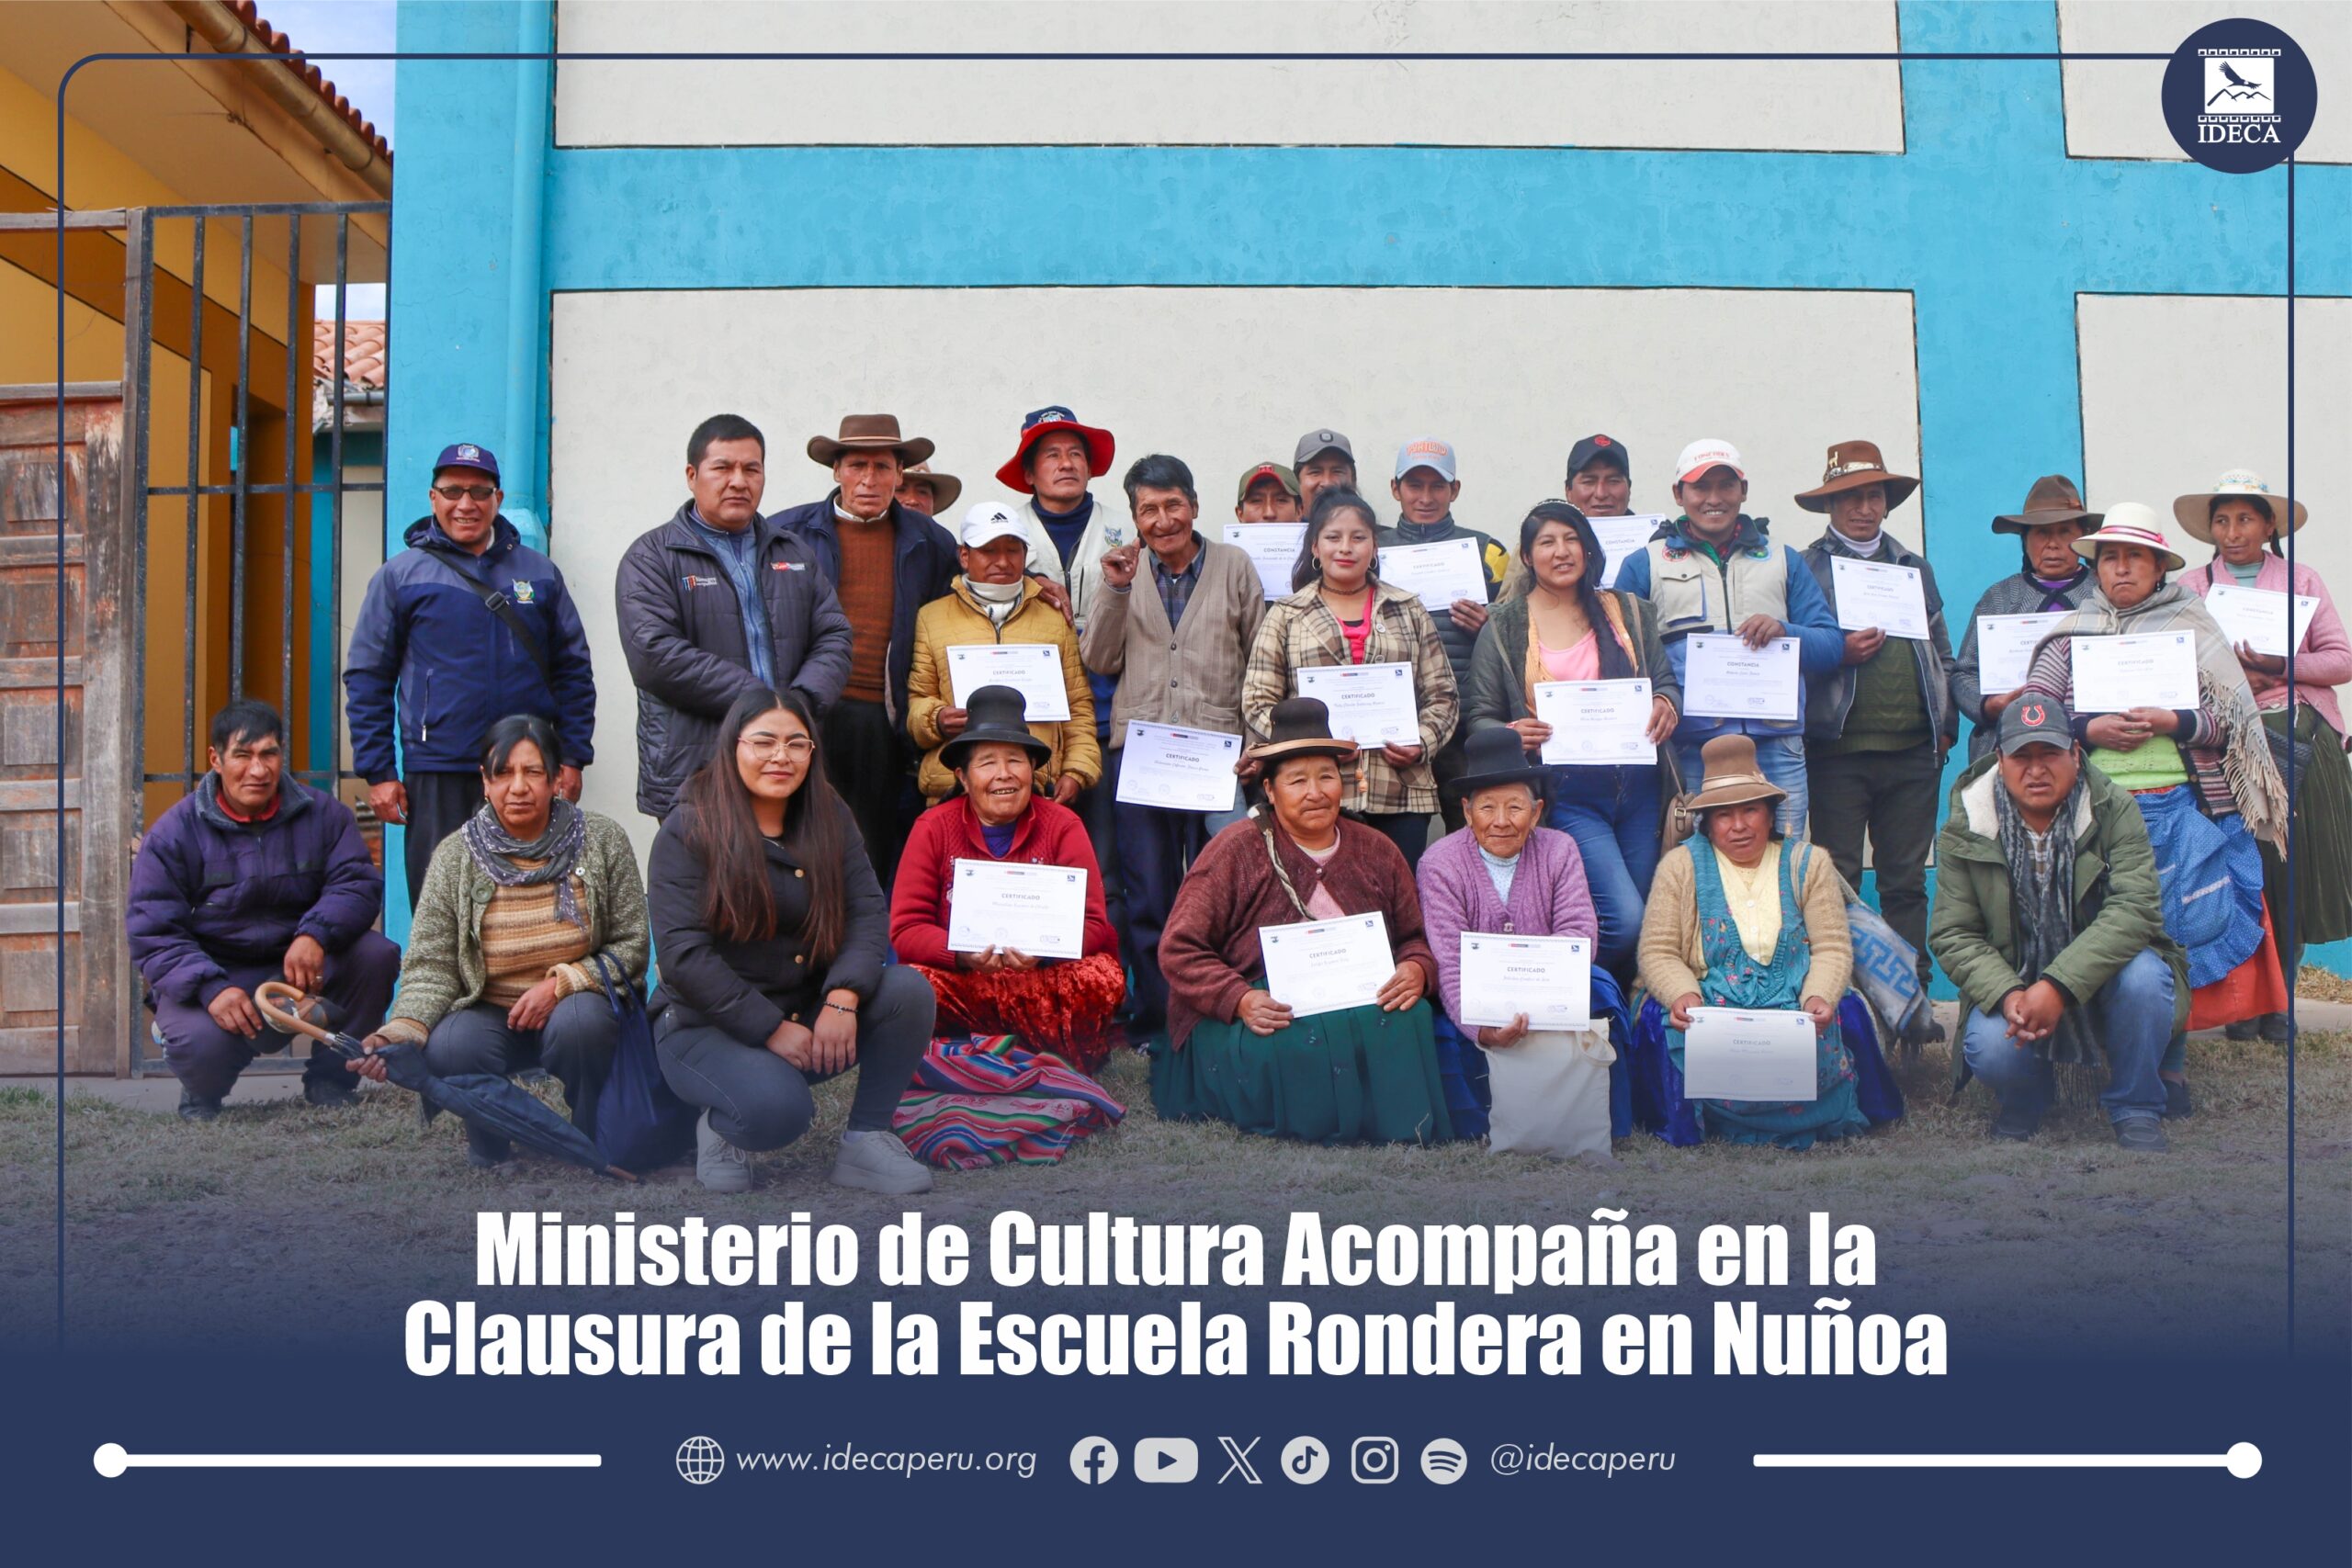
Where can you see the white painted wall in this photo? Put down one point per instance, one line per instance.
(1813, 105)
(2179, 387)
(1511, 376)
(2114, 108)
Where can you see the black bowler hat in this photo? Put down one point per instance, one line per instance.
(1496, 757)
(995, 712)
(1301, 727)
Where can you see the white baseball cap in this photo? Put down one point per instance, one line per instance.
(1703, 454)
(988, 520)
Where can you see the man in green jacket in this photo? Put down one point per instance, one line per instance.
(2048, 919)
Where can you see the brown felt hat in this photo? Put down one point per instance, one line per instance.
(1852, 465)
(2052, 499)
(945, 488)
(1732, 775)
(870, 433)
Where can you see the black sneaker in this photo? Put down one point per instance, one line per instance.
(195, 1106)
(329, 1092)
(2273, 1027)
(2244, 1028)
(2176, 1102)
(2143, 1134)
(2015, 1125)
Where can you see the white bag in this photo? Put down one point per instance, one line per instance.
(1551, 1093)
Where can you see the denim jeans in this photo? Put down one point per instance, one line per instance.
(1781, 756)
(2134, 1013)
(1611, 813)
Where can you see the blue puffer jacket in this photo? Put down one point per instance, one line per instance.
(457, 668)
(207, 891)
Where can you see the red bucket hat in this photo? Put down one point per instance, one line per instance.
(1041, 423)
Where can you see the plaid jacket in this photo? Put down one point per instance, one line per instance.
(1300, 633)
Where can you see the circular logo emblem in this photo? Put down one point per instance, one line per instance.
(2239, 95)
(701, 1460)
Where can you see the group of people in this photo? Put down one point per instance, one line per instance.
(822, 776)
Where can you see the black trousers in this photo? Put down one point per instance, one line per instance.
(1892, 796)
(866, 760)
(438, 805)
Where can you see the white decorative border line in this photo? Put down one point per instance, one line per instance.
(2243, 1461)
(112, 1460)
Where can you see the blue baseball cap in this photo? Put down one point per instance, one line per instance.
(466, 454)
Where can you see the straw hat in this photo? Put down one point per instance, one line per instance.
(2128, 522)
(2195, 513)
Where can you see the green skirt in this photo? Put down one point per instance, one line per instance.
(2322, 835)
(1360, 1076)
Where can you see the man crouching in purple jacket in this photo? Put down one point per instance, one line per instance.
(255, 877)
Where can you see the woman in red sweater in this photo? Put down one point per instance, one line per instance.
(1064, 1006)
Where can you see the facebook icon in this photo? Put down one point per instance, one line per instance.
(1093, 1461)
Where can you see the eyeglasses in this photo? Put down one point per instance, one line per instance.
(465, 492)
(763, 746)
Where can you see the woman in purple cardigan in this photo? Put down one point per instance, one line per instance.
(1503, 874)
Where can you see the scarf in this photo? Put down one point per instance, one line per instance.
(998, 600)
(2053, 590)
(2246, 766)
(2045, 912)
(495, 850)
(1863, 549)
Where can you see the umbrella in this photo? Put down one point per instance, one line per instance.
(482, 1100)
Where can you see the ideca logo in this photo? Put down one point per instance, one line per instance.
(2239, 95)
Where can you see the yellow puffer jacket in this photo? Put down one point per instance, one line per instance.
(958, 620)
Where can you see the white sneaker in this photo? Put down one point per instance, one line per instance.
(878, 1162)
(719, 1166)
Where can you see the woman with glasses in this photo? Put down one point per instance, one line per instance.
(772, 933)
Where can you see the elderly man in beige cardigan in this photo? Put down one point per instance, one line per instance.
(1173, 626)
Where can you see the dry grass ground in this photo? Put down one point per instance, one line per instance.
(302, 1216)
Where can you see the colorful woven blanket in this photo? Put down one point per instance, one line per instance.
(984, 1100)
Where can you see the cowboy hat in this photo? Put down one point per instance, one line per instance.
(1492, 758)
(1851, 465)
(2052, 499)
(945, 488)
(2128, 522)
(1300, 727)
(1732, 777)
(998, 714)
(870, 433)
(2195, 513)
(1036, 426)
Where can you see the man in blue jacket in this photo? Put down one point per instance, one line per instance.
(1715, 569)
(254, 877)
(466, 625)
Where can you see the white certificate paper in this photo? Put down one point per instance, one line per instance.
(1181, 770)
(1032, 669)
(1272, 548)
(1327, 965)
(2257, 616)
(2157, 669)
(1876, 595)
(1039, 910)
(2005, 645)
(1622, 538)
(1371, 705)
(1724, 678)
(1593, 722)
(1440, 573)
(1549, 978)
(1733, 1053)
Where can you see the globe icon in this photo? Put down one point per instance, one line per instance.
(700, 1461)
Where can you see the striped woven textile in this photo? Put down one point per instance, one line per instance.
(984, 1100)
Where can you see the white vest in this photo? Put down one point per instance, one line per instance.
(1108, 529)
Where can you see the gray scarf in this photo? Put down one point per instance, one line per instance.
(495, 850)
(2045, 912)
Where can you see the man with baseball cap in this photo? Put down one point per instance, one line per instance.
(1877, 728)
(1715, 569)
(1268, 494)
(2048, 918)
(1424, 489)
(463, 627)
(1601, 478)
(1322, 459)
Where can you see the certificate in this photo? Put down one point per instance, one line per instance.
(1724, 678)
(1273, 548)
(2005, 645)
(1372, 704)
(2257, 616)
(1326, 965)
(1876, 595)
(1032, 669)
(1440, 573)
(1039, 910)
(1603, 722)
(2157, 669)
(1622, 538)
(1549, 978)
(1733, 1053)
(1181, 769)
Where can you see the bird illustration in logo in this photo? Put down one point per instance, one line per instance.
(2238, 87)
